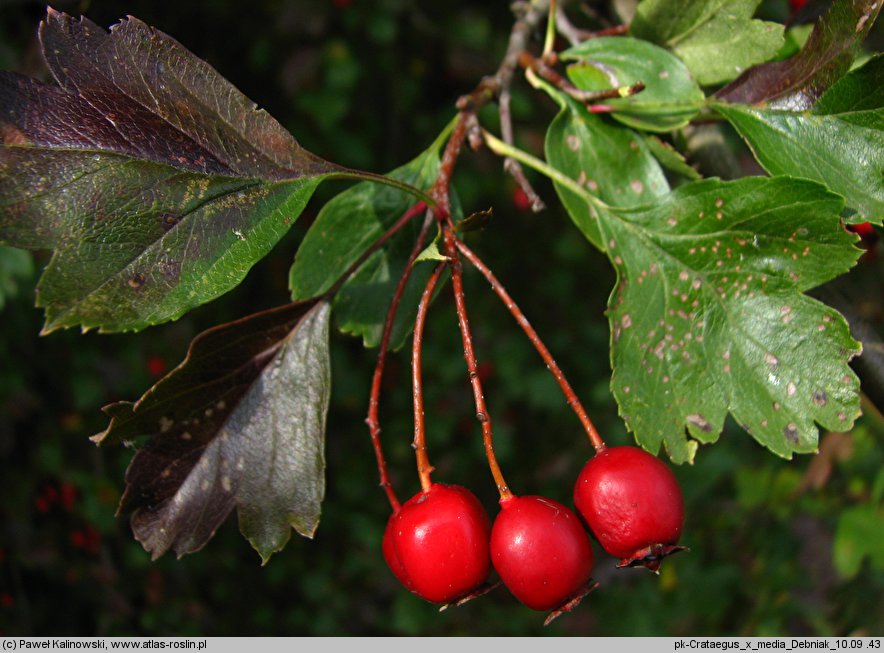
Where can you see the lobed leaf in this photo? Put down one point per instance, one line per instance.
(716, 39)
(670, 158)
(670, 97)
(156, 182)
(838, 144)
(798, 82)
(239, 424)
(708, 316)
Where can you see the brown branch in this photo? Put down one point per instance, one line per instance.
(575, 35)
(490, 86)
(497, 86)
(440, 192)
(510, 165)
(570, 395)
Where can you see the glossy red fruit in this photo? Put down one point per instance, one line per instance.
(541, 552)
(437, 543)
(632, 504)
(389, 550)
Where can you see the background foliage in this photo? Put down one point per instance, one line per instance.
(777, 547)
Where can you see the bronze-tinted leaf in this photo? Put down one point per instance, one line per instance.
(798, 82)
(240, 423)
(157, 183)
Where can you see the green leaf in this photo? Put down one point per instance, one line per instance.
(610, 162)
(670, 98)
(716, 39)
(431, 253)
(156, 182)
(858, 535)
(670, 158)
(840, 150)
(708, 316)
(15, 265)
(862, 89)
(796, 83)
(345, 229)
(240, 423)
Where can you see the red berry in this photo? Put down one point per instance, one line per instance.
(156, 365)
(540, 551)
(437, 543)
(633, 505)
(389, 551)
(92, 539)
(78, 539)
(797, 4)
(50, 493)
(521, 200)
(68, 496)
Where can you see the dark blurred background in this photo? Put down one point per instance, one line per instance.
(777, 547)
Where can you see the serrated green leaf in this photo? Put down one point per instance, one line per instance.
(670, 98)
(798, 82)
(842, 150)
(862, 89)
(858, 536)
(708, 316)
(344, 230)
(612, 163)
(716, 39)
(157, 183)
(670, 158)
(140, 243)
(239, 424)
(350, 223)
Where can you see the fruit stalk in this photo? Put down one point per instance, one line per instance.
(424, 468)
(372, 419)
(570, 396)
(451, 250)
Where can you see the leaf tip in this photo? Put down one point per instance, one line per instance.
(49, 328)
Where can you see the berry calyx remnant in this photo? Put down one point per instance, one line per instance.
(632, 504)
(542, 553)
(436, 544)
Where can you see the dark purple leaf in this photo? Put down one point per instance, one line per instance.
(157, 183)
(797, 83)
(152, 99)
(240, 423)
